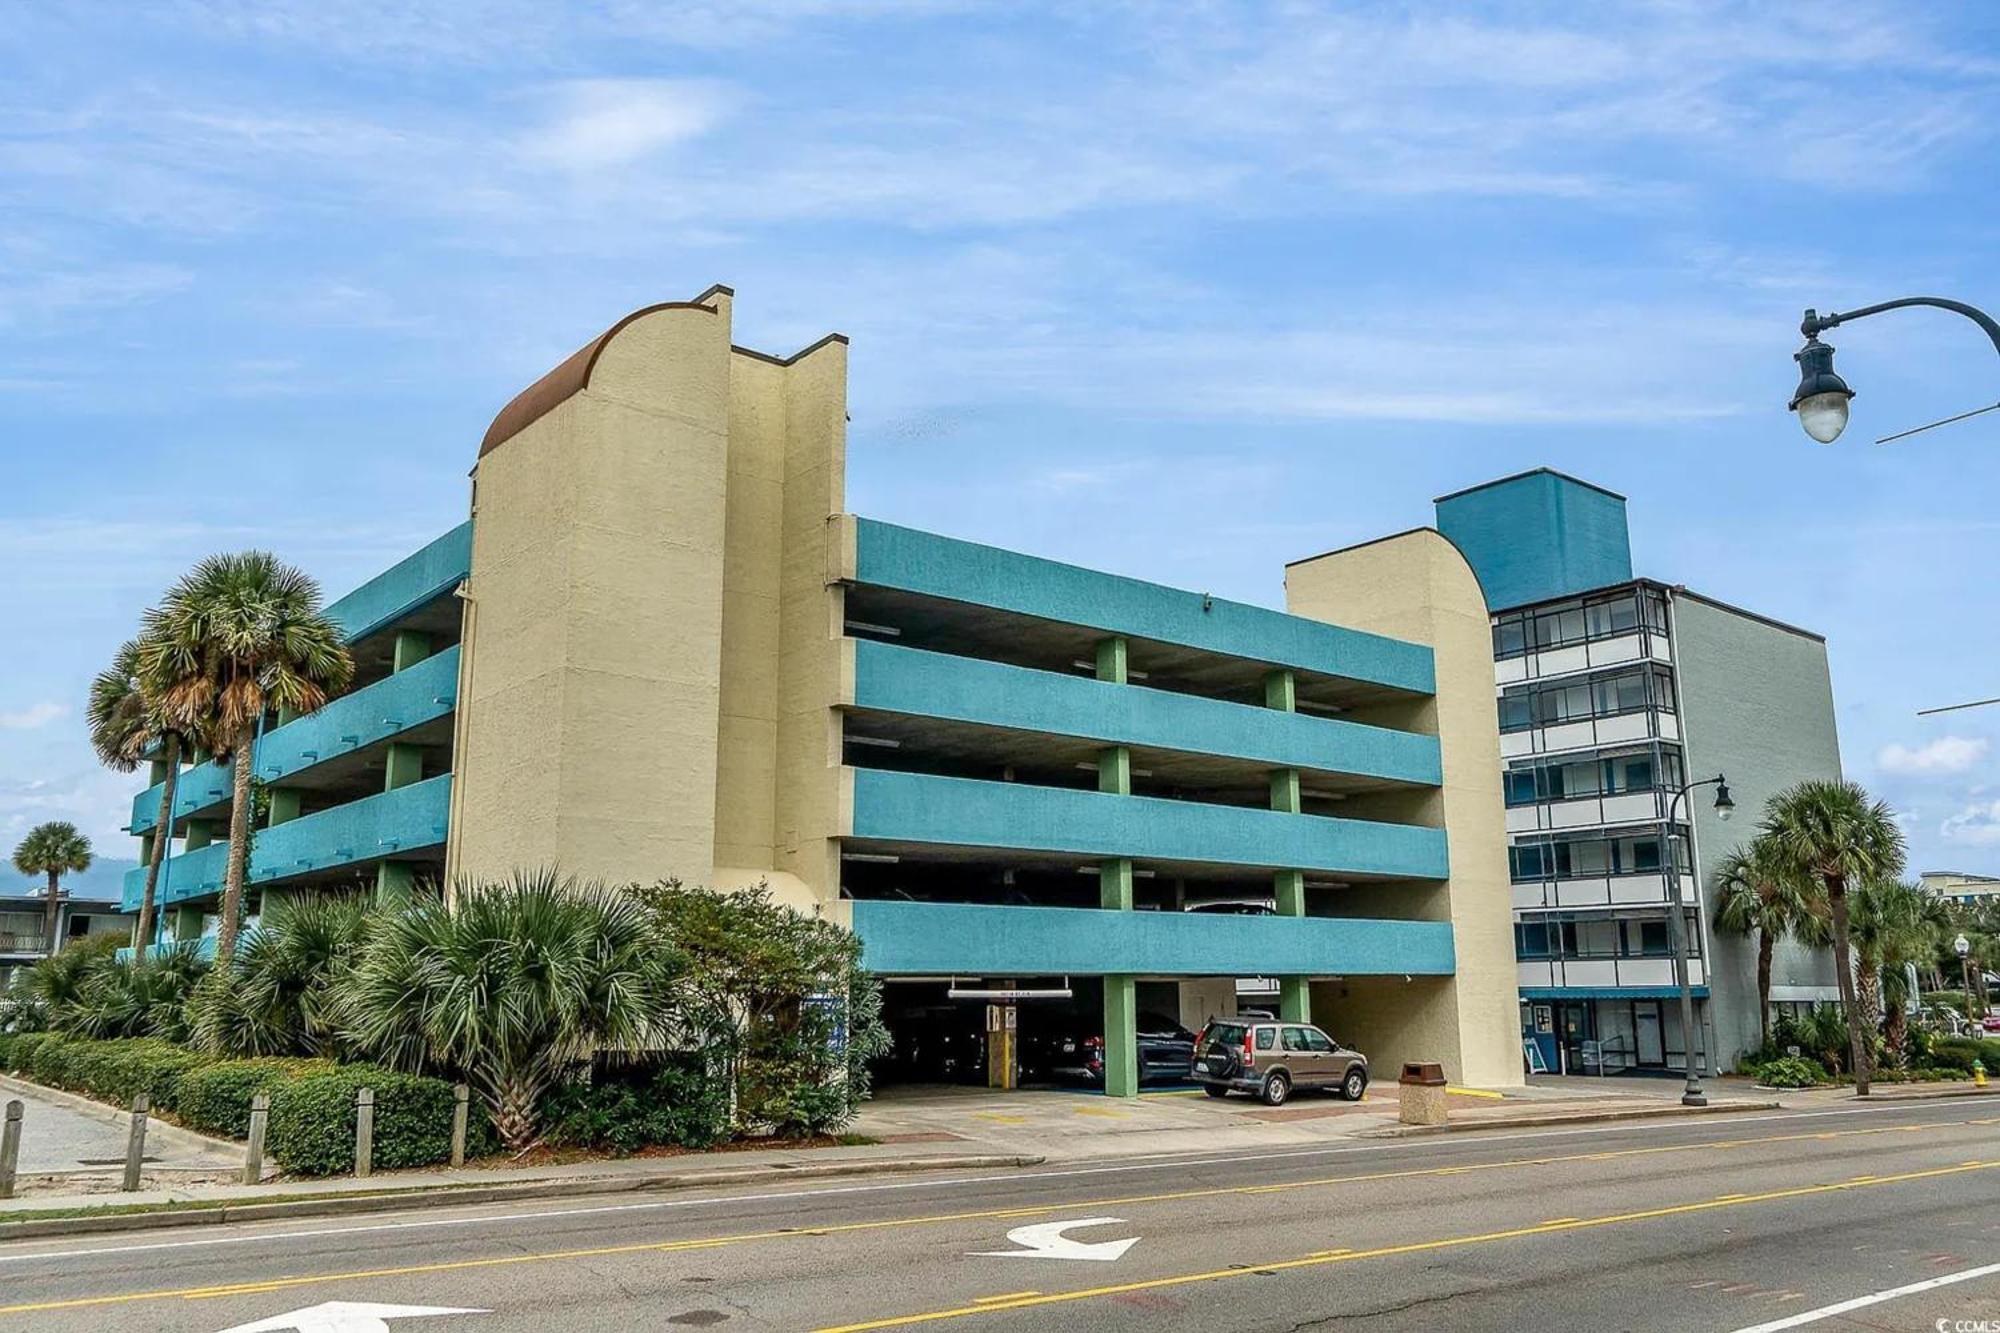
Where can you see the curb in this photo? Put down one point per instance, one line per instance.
(448, 1196)
(1930, 1094)
(1594, 1117)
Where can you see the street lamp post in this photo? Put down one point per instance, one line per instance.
(1691, 1095)
(1963, 948)
(1821, 398)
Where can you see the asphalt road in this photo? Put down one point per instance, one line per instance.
(1725, 1223)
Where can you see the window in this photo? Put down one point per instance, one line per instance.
(1265, 1038)
(1520, 786)
(1652, 938)
(1510, 637)
(1295, 1040)
(1316, 1041)
(1613, 618)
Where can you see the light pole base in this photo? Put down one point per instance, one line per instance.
(1694, 1097)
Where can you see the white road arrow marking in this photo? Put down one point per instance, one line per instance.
(345, 1317)
(1045, 1240)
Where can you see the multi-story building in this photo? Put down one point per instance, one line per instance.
(1613, 692)
(1959, 886)
(660, 648)
(24, 939)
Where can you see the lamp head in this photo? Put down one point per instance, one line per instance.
(1961, 946)
(1821, 398)
(1725, 805)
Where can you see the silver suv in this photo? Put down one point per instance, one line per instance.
(1270, 1058)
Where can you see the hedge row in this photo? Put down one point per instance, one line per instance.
(311, 1129)
(1960, 1052)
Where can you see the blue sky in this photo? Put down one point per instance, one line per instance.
(1181, 290)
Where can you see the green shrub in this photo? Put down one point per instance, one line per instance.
(17, 1054)
(311, 1130)
(111, 1071)
(1960, 1052)
(675, 1105)
(215, 1099)
(1792, 1072)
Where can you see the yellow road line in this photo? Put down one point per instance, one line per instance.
(1385, 1251)
(1010, 1296)
(886, 1224)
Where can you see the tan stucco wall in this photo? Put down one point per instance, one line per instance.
(1418, 587)
(647, 558)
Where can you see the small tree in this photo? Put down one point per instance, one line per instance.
(1836, 835)
(1890, 926)
(129, 721)
(511, 987)
(52, 850)
(780, 1000)
(240, 635)
(1756, 893)
(281, 993)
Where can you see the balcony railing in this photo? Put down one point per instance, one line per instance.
(942, 939)
(373, 714)
(921, 808)
(393, 823)
(21, 944)
(896, 679)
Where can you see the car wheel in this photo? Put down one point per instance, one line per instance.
(1354, 1085)
(1276, 1088)
(1214, 1091)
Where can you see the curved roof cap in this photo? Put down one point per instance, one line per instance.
(572, 376)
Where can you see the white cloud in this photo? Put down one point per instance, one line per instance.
(600, 123)
(1945, 755)
(33, 716)
(1977, 825)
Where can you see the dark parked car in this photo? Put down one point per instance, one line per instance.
(1166, 1050)
(1269, 1059)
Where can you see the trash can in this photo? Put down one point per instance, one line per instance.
(1421, 1093)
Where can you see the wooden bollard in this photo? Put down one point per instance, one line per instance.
(10, 1148)
(135, 1141)
(461, 1096)
(364, 1133)
(253, 1153)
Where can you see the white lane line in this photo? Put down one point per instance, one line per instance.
(950, 1182)
(1874, 1298)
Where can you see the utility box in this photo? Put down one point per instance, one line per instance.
(1421, 1094)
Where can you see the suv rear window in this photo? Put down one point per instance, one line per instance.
(1225, 1034)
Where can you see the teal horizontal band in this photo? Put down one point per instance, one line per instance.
(384, 826)
(377, 712)
(418, 578)
(922, 562)
(921, 808)
(967, 939)
(1608, 992)
(964, 689)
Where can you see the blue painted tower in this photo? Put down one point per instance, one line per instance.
(1538, 535)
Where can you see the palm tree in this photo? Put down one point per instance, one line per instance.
(511, 987)
(127, 720)
(1834, 834)
(53, 850)
(1756, 892)
(1888, 927)
(238, 636)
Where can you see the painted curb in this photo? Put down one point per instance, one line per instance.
(1543, 1122)
(454, 1196)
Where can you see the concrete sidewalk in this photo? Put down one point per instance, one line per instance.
(64, 1136)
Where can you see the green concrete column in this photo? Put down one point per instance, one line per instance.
(1111, 661)
(187, 923)
(1281, 691)
(156, 773)
(1294, 1000)
(1121, 1037)
(1114, 874)
(1285, 790)
(146, 848)
(411, 648)
(284, 804)
(287, 715)
(403, 765)
(394, 881)
(201, 832)
(1289, 888)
